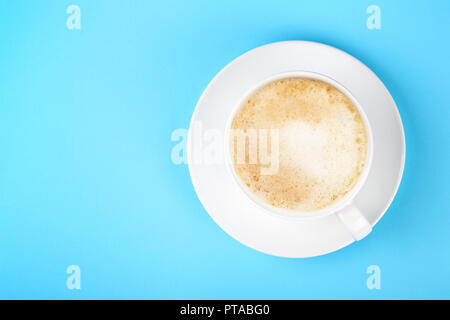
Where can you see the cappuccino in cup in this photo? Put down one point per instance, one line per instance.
(298, 144)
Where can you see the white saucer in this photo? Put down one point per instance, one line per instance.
(234, 212)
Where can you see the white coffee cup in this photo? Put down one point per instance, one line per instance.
(352, 218)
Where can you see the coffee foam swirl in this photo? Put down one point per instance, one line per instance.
(322, 143)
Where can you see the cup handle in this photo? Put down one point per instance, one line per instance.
(355, 222)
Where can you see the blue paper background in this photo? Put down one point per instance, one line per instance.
(86, 176)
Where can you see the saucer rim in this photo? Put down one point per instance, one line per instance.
(398, 120)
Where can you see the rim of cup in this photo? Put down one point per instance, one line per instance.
(297, 214)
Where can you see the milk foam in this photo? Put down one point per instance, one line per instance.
(322, 143)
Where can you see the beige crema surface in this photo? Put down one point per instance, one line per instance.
(322, 144)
